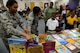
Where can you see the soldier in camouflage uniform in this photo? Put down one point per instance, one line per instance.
(33, 21)
(9, 21)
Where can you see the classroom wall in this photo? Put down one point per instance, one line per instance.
(61, 2)
(25, 3)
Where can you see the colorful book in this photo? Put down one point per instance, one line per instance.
(63, 36)
(57, 44)
(42, 38)
(72, 37)
(62, 49)
(65, 33)
(17, 45)
(49, 38)
(77, 33)
(35, 49)
(48, 46)
(71, 33)
(70, 46)
(70, 40)
(62, 41)
(78, 41)
(77, 45)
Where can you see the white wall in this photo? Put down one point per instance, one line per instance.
(36, 2)
(21, 4)
(61, 2)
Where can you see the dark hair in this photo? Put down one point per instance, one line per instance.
(51, 3)
(10, 3)
(36, 10)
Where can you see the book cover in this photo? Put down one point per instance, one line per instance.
(62, 49)
(72, 37)
(70, 40)
(17, 45)
(35, 49)
(78, 41)
(77, 33)
(65, 33)
(57, 44)
(63, 36)
(70, 46)
(62, 41)
(77, 45)
(42, 38)
(49, 37)
(48, 46)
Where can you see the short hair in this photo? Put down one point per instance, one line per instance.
(51, 3)
(36, 10)
(10, 3)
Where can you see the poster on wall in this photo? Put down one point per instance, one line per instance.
(46, 5)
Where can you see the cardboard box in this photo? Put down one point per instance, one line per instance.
(17, 45)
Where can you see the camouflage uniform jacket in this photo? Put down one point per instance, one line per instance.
(9, 23)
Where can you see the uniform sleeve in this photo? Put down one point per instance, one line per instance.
(29, 21)
(8, 27)
(20, 21)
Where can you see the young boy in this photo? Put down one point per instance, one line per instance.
(71, 21)
(52, 23)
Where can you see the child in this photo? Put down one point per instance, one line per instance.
(61, 21)
(71, 21)
(78, 18)
(52, 23)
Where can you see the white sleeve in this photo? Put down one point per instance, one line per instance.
(47, 24)
(57, 23)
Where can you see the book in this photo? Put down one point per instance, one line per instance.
(77, 33)
(62, 41)
(70, 40)
(42, 38)
(62, 49)
(65, 33)
(77, 45)
(63, 36)
(35, 49)
(70, 46)
(48, 46)
(78, 41)
(17, 45)
(72, 37)
(49, 37)
(57, 44)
